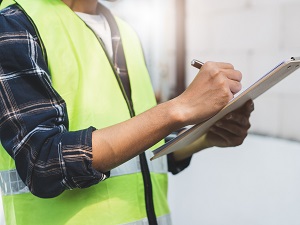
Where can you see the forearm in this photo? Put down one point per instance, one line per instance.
(34, 122)
(115, 145)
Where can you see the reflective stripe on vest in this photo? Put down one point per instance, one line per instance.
(133, 166)
(11, 183)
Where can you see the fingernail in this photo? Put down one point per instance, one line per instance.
(251, 106)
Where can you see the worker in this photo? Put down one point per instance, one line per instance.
(79, 118)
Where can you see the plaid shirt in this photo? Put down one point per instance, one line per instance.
(34, 119)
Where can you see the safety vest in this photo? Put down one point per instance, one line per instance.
(82, 74)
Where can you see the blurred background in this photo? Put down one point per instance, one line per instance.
(258, 182)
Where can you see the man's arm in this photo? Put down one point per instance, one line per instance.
(33, 117)
(210, 91)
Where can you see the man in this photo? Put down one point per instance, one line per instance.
(54, 59)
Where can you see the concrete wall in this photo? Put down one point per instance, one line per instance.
(254, 36)
(258, 182)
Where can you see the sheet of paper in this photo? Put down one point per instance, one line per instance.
(267, 81)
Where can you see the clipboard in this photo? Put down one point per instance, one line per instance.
(278, 73)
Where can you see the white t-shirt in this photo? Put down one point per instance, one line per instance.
(101, 27)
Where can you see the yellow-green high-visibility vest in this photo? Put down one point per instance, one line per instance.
(83, 75)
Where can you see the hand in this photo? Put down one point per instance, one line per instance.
(212, 88)
(232, 129)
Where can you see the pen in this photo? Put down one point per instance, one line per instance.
(197, 64)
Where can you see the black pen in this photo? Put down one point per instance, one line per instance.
(197, 64)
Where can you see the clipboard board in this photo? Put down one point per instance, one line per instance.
(278, 73)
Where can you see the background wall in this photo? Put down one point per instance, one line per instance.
(254, 36)
(258, 182)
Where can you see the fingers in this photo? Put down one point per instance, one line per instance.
(233, 128)
(243, 111)
(234, 77)
(230, 131)
(238, 120)
(213, 87)
(224, 138)
(227, 68)
(248, 108)
(234, 86)
(227, 126)
(225, 72)
(220, 65)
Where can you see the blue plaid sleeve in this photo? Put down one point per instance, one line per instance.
(33, 117)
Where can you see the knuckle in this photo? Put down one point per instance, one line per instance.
(222, 82)
(230, 66)
(239, 75)
(252, 107)
(224, 92)
(240, 142)
(249, 125)
(209, 64)
(245, 134)
(212, 68)
(239, 86)
(214, 72)
(244, 121)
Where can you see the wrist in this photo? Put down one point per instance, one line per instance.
(177, 113)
